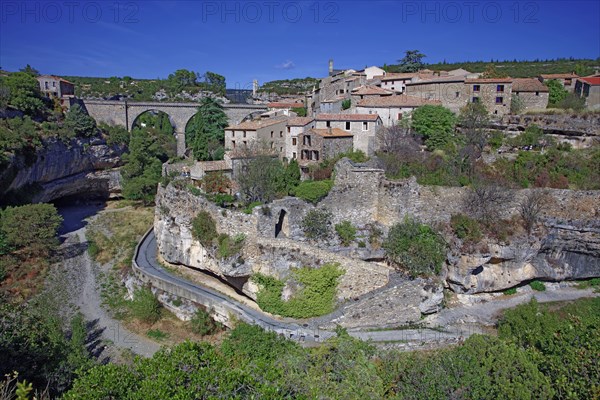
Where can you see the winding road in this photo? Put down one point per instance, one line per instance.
(456, 323)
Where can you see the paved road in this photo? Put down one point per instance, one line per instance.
(455, 322)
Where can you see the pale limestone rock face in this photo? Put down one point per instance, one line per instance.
(567, 251)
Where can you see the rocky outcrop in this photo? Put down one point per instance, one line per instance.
(569, 250)
(83, 167)
(262, 252)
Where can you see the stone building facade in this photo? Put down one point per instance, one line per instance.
(392, 109)
(494, 93)
(295, 127)
(449, 90)
(317, 145)
(268, 132)
(363, 127)
(531, 92)
(589, 88)
(55, 87)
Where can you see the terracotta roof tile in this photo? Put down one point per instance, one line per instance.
(396, 101)
(300, 121)
(285, 105)
(347, 117)
(592, 80)
(256, 124)
(371, 91)
(528, 85)
(489, 80)
(559, 76)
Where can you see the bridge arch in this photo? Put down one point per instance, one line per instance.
(153, 111)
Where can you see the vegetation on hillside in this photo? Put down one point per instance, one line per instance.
(289, 86)
(516, 68)
(144, 89)
(205, 134)
(538, 354)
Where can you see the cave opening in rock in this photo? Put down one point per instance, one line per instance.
(281, 224)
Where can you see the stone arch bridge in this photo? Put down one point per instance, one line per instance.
(124, 113)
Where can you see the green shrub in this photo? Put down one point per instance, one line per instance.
(317, 296)
(316, 224)
(177, 302)
(466, 228)
(594, 282)
(496, 140)
(194, 190)
(203, 324)
(346, 232)
(204, 228)
(250, 207)
(93, 249)
(511, 291)
(538, 286)
(157, 334)
(145, 306)
(228, 246)
(313, 191)
(416, 247)
(346, 104)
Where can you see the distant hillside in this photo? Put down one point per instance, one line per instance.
(289, 86)
(182, 85)
(519, 69)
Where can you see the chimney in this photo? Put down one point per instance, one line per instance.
(329, 130)
(254, 88)
(330, 66)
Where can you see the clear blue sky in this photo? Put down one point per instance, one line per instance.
(269, 40)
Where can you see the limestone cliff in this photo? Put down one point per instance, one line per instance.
(83, 167)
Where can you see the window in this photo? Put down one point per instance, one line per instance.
(399, 116)
(46, 85)
(476, 88)
(306, 140)
(245, 143)
(54, 84)
(294, 155)
(271, 134)
(457, 94)
(500, 88)
(281, 149)
(233, 144)
(499, 100)
(347, 125)
(365, 126)
(294, 142)
(272, 145)
(289, 129)
(244, 134)
(537, 93)
(328, 124)
(475, 99)
(280, 133)
(232, 134)
(315, 156)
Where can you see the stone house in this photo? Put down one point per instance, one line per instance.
(567, 80)
(334, 88)
(368, 91)
(392, 109)
(295, 127)
(267, 132)
(533, 93)
(55, 87)
(449, 90)
(373, 71)
(589, 88)
(396, 82)
(494, 93)
(316, 145)
(284, 108)
(363, 127)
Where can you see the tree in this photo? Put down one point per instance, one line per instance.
(205, 133)
(261, 178)
(31, 227)
(416, 247)
(572, 102)
(215, 83)
(474, 119)
(517, 104)
(531, 207)
(30, 70)
(24, 92)
(292, 176)
(435, 124)
(486, 200)
(346, 104)
(412, 61)
(557, 92)
(181, 79)
(491, 72)
(80, 122)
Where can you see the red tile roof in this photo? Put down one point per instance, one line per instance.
(489, 80)
(370, 91)
(254, 125)
(347, 117)
(331, 133)
(300, 121)
(592, 80)
(396, 101)
(559, 76)
(285, 105)
(58, 78)
(528, 85)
